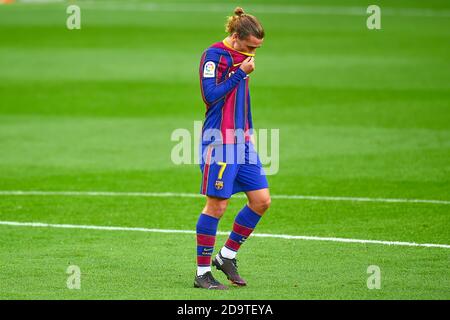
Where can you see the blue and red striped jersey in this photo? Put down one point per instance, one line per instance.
(225, 92)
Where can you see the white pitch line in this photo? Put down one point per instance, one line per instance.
(260, 235)
(263, 9)
(255, 8)
(195, 195)
(40, 1)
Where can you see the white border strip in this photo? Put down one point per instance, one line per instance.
(260, 235)
(195, 195)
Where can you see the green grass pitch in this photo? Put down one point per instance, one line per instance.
(361, 113)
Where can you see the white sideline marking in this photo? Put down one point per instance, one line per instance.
(195, 195)
(256, 9)
(40, 1)
(260, 235)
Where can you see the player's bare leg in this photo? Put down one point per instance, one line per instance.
(206, 235)
(215, 207)
(259, 200)
(244, 224)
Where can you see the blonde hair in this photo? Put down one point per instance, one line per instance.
(244, 25)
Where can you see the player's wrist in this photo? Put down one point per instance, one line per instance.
(242, 72)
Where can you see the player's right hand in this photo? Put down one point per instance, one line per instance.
(248, 65)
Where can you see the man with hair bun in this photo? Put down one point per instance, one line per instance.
(229, 163)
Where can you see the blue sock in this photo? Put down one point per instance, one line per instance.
(206, 237)
(243, 226)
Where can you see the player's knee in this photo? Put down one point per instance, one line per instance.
(265, 204)
(220, 209)
(216, 209)
(261, 205)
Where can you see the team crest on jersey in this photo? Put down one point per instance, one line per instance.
(209, 70)
(219, 184)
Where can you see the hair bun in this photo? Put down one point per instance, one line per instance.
(239, 11)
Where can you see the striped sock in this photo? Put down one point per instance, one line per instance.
(206, 237)
(243, 226)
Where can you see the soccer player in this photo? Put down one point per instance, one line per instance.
(229, 163)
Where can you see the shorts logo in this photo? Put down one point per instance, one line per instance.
(209, 70)
(219, 185)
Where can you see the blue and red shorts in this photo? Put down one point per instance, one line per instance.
(231, 168)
